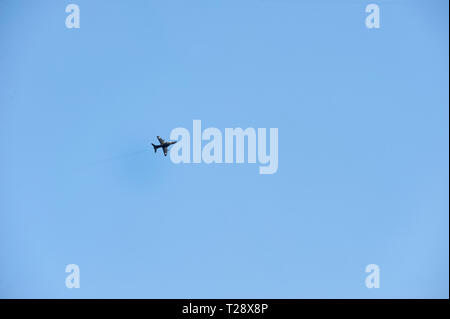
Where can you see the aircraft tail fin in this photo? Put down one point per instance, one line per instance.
(154, 146)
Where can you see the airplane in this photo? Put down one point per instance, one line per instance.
(163, 144)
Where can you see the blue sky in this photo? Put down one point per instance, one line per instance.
(363, 128)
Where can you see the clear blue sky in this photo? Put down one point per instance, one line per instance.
(363, 149)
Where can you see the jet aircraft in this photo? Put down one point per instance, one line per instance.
(163, 144)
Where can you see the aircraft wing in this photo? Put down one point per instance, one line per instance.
(165, 151)
(160, 140)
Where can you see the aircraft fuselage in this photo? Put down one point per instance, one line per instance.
(166, 144)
